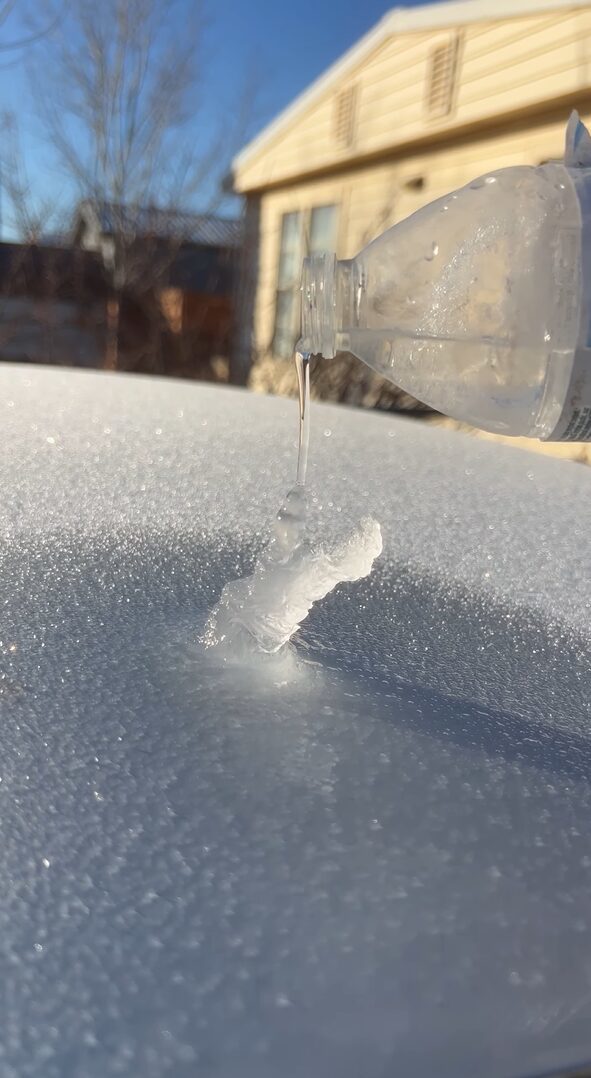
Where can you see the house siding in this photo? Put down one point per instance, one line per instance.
(504, 68)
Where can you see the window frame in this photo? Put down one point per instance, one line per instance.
(286, 290)
(278, 347)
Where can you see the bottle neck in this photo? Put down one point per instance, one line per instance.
(326, 303)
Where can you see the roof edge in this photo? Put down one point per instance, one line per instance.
(434, 16)
(365, 44)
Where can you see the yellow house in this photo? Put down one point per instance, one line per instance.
(430, 98)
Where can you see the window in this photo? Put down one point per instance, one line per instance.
(301, 233)
(288, 279)
(323, 229)
(443, 64)
(344, 116)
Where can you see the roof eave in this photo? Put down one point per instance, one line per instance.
(434, 16)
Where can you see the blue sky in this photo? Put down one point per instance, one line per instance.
(286, 45)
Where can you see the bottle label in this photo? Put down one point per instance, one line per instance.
(574, 424)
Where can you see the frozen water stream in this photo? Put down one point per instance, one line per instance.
(292, 572)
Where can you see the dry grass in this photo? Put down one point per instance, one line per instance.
(577, 451)
(348, 380)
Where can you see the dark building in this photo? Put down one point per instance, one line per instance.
(142, 290)
(173, 279)
(52, 305)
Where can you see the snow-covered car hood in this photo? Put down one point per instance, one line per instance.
(369, 857)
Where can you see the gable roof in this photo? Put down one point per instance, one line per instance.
(201, 229)
(435, 16)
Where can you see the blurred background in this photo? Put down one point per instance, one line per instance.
(165, 166)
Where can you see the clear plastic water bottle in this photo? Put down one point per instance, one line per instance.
(479, 304)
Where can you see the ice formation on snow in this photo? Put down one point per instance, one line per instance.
(289, 576)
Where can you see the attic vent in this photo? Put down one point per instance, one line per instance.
(443, 65)
(344, 116)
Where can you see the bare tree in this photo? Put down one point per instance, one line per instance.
(29, 213)
(117, 90)
(10, 43)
